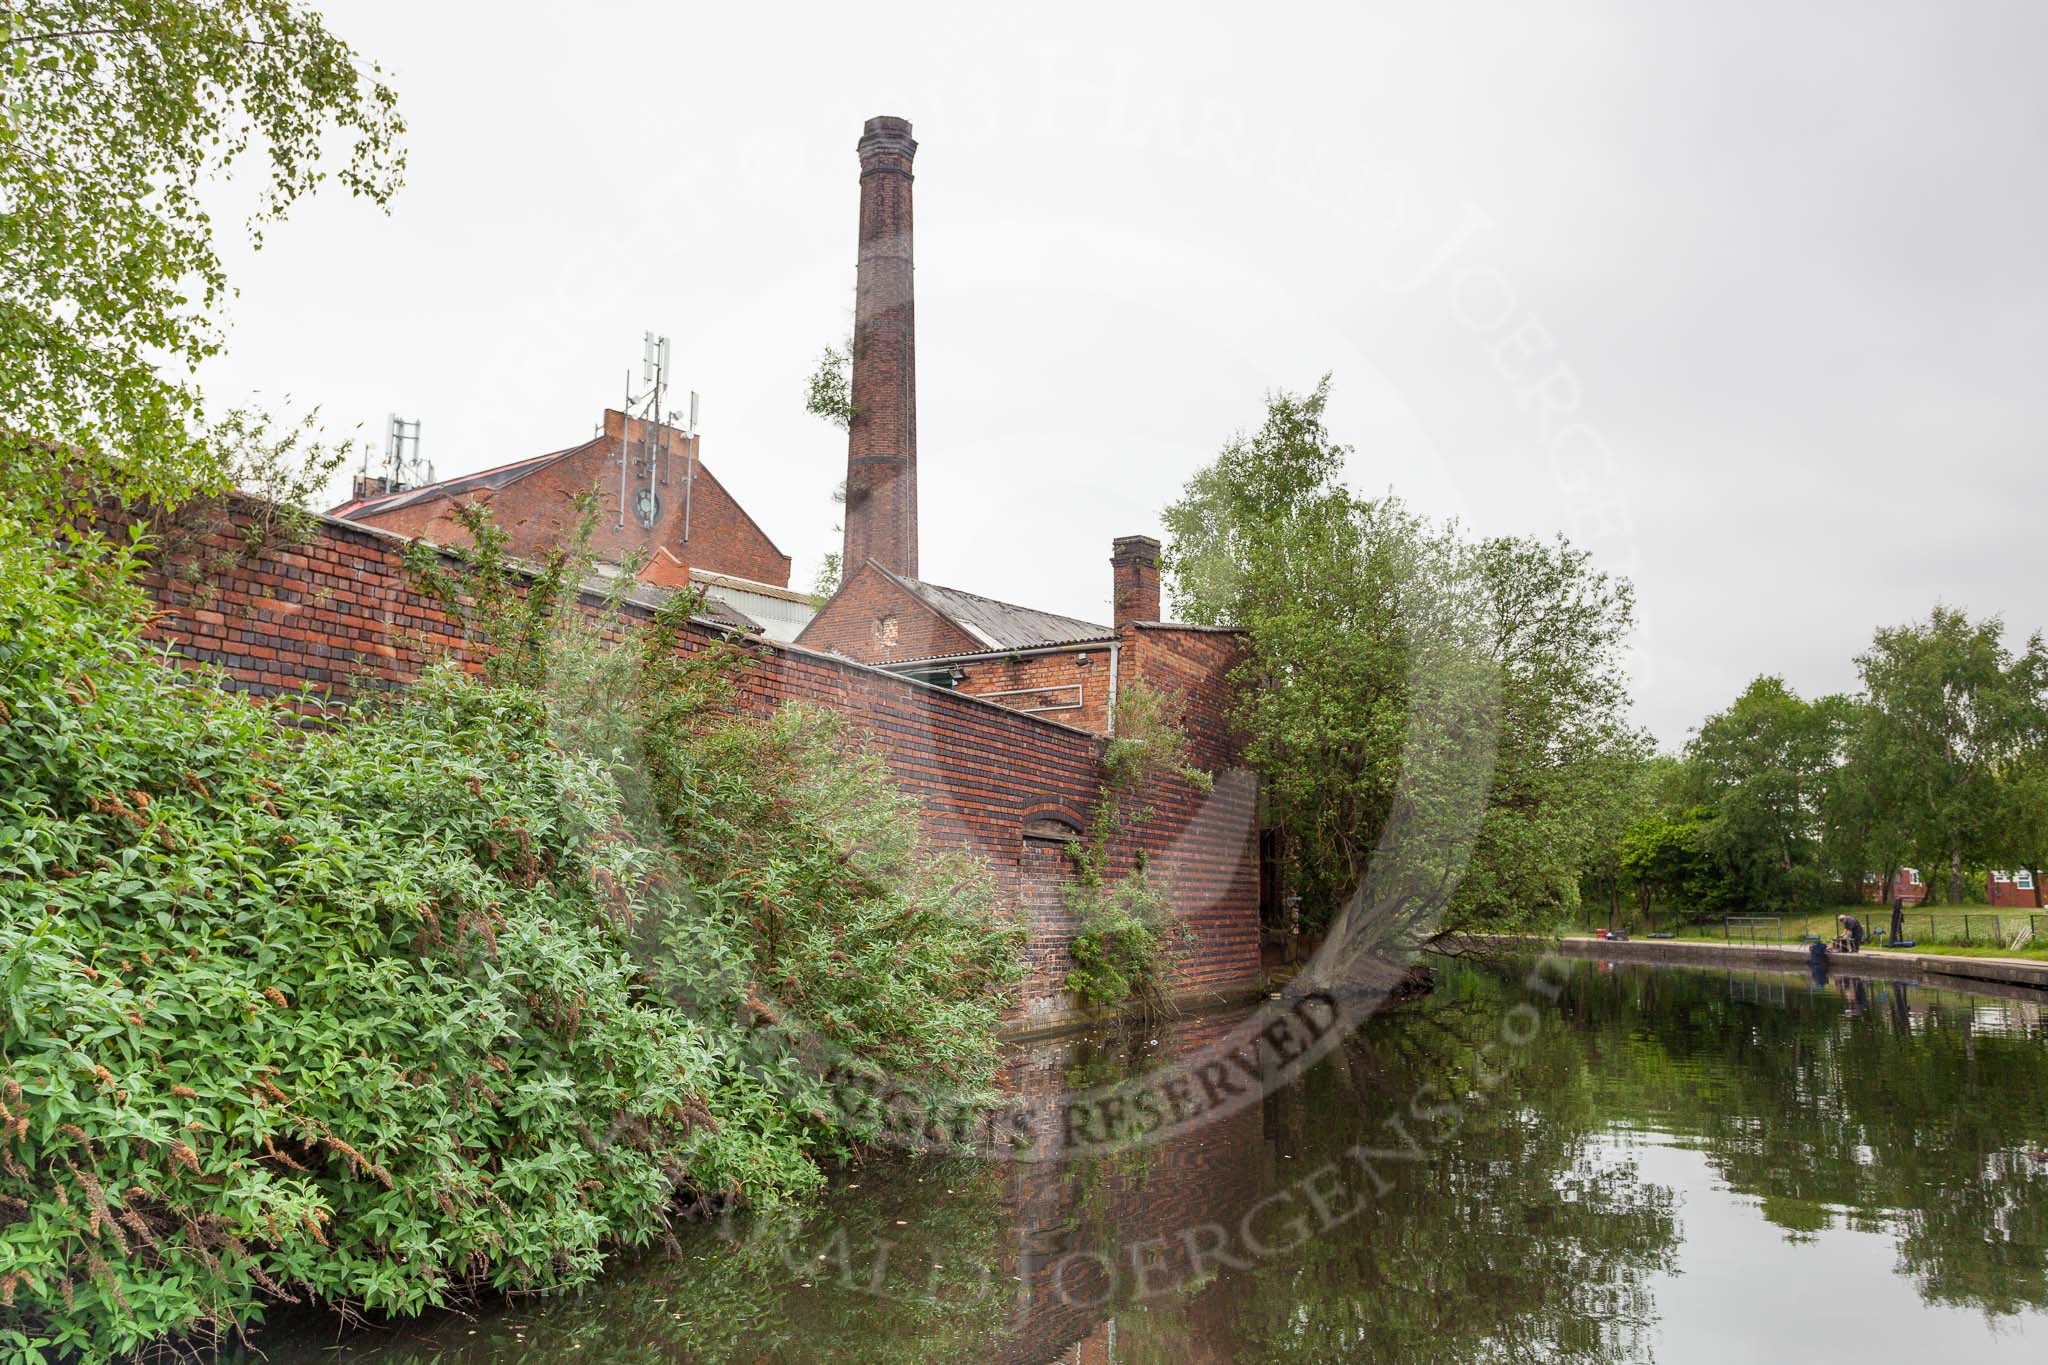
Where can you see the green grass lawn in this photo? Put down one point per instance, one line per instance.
(1973, 931)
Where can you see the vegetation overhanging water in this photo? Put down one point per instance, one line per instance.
(1675, 1164)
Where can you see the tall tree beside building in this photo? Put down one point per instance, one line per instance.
(115, 118)
(1868, 825)
(1404, 686)
(1552, 627)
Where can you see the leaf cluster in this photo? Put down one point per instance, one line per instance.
(423, 998)
(114, 118)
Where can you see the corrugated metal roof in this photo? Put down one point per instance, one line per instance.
(774, 614)
(495, 478)
(723, 612)
(1001, 625)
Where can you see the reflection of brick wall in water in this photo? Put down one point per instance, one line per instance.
(1071, 1218)
(337, 614)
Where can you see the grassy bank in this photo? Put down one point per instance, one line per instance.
(1971, 931)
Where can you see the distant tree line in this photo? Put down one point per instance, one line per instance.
(1779, 803)
(1444, 717)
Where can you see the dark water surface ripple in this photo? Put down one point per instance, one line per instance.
(1659, 1163)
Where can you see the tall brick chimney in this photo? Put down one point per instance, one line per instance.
(1134, 568)
(881, 444)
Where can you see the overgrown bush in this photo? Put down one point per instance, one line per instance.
(870, 965)
(1126, 943)
(1127, 936)
(383, 1009)
(881, 964)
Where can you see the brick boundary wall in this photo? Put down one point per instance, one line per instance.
(337, 614)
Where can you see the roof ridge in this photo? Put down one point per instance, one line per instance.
(915, 583)
(384, 501)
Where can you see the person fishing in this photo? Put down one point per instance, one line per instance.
(1852, 933)
(1898, 933)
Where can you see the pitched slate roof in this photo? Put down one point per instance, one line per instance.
(1000, 625)
(495, 478)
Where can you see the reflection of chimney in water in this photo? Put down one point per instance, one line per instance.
(881, 442)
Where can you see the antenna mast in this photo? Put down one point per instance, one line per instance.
(655, 363)
(689, 464)
(402, 466)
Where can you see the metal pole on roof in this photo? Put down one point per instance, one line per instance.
(689, 465)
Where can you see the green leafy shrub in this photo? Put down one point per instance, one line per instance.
(1125, 945)
(873, 956)
(385, 1009)
(1127, 936)
(870, 966)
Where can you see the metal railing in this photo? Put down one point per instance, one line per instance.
(2007, 929)
(1751, 926)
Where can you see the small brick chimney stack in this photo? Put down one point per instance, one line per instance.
(881, 443)
(1134, 569)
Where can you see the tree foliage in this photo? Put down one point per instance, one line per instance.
(1404, 684)
(1763, 769)
(446, 992)
(1780, 804)
(828, 392)
(1949, 719)
(114, 119)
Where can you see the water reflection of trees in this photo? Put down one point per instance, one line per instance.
(1522, 1236)
(1525, 1233)
(1875, 1105)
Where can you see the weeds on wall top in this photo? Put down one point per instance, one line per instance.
(273, 474)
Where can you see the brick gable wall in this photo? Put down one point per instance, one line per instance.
(1194, 664)
(538, 512)
(337, 615)
(874, 619)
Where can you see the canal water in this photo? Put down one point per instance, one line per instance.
(1591, 1163)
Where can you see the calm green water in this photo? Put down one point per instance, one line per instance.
(1663, 1164)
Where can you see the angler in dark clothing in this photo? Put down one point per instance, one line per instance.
(1852, 932)
(1898, 933)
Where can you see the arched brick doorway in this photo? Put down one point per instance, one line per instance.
(1046, 868)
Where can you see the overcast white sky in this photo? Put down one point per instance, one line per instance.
(1748, 299)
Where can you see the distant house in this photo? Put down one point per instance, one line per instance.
(1906, 886)
(2011, 890)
